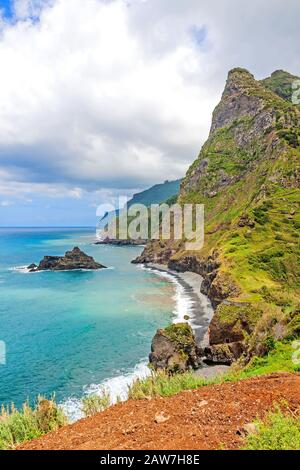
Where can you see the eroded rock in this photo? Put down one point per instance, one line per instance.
(174, 349)
(72, 260)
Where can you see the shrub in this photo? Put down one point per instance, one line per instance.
(273, 261)
(279, 431)
(94, 404)
(261, 213)
(17, 426)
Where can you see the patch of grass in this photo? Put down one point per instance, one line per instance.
(162, 384)
(279, 431)
(17, 426)
(279, 359)
(261, 213)
(94, 404)
(180, 332)
(246, 314)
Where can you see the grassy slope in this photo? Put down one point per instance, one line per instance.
(280, 430)
(264, 261)
(156, 194)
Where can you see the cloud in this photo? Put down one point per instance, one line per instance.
(118, 94)
(24, 9)
(6, 203)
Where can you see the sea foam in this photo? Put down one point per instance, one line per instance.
(118, 386)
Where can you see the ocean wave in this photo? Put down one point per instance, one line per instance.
(20, 269)
(184, 303)
(116, 386)
(25, 270)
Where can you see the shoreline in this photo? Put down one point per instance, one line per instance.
(200, 309)
(187, 295)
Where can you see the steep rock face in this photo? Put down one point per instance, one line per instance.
(75, 259)
(174, 349)
(247, 176)
(236, 102)
(224, 353)
(157, 252)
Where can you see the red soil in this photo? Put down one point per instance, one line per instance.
(202, 419)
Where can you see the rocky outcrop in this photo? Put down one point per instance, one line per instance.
(157, 252)
(174, 349)
(72, 260)
(224, 354)
(117, 242)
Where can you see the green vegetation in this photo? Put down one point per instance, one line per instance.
(165, 385)
(246, 314)
(281, 83)
(94, 404)
(180, 332)
(17, 426)
(279, 431)
(157, 194)
(279, 359)
(242, 173)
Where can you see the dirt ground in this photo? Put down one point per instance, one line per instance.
(208, 418)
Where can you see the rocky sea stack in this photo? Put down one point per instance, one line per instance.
(174, 349)
(72, 260)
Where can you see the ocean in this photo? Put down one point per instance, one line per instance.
(71, 333)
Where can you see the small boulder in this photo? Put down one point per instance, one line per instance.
(161, 418)
(246, 221)
(248, 430)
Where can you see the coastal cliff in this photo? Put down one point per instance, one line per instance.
(247, 176)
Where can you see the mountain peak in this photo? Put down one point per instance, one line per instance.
(281, 83)
(241, 98)
(238, 79)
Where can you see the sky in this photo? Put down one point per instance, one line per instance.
(101, 98)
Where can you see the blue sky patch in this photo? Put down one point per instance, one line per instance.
(199, 34)
(6, 6)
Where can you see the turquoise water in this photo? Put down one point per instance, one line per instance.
(68, 331)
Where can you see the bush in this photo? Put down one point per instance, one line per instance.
(17, 426)
(279, 431)
(261, 212)
(94, 404)
(271, 260)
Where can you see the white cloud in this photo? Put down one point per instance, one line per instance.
(29, 8)
(6, 203)
(119, 94)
